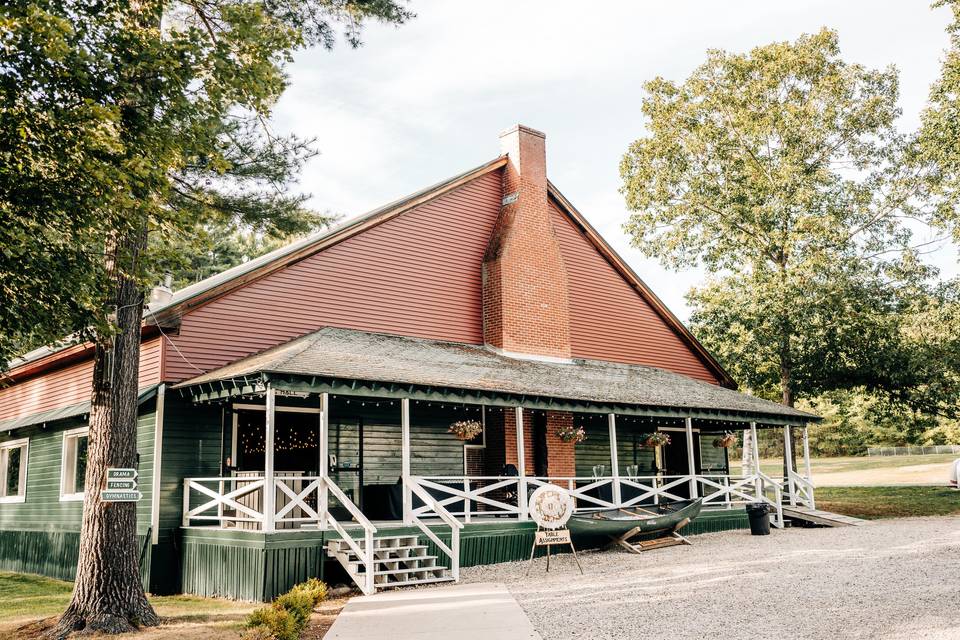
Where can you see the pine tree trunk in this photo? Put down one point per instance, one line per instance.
(108, 595)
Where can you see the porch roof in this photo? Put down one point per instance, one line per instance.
(335, 359)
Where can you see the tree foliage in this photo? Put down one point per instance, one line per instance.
(781, 171)
(937, 152)
(111, 119)
(125, 120)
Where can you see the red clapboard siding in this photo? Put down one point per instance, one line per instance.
(418, 274)
(69, 385)
(609, 320)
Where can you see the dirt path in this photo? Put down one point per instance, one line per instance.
(886, 580)
(933, 474)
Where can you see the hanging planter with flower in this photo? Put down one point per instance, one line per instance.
(466, 429)
(570, 433)
(725, 441)
(657, 439)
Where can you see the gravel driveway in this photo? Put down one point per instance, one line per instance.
(889, 579)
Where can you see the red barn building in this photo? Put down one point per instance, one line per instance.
(299, 407)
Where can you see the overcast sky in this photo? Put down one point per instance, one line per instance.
(422, 102)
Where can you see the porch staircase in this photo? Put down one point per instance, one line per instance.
(400, 561)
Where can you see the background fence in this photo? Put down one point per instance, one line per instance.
(913, 451)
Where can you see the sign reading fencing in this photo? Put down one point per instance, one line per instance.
(121, 486)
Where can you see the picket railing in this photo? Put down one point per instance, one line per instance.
(432, 505)
(302, 500)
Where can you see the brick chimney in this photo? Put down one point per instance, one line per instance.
(525, 304)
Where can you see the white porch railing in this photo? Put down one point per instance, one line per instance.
(800, 491)
(300, 500)
(367, 553)
(469, 497)
(431, 505)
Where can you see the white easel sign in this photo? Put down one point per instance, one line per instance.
(551, 507)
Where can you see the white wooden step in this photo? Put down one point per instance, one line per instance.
(413, 583)
(357, 561)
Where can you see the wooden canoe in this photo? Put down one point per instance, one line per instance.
(653, 518)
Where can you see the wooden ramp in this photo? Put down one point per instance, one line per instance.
(823, 518)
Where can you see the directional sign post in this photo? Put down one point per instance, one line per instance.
(120, 496)
(128, 485)
(121, 486)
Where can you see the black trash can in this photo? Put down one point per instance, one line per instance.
(759, 516)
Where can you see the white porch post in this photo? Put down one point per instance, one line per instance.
(788, 464)
(806, 464)
(614, 463)
(521, 466)
(269, 486)
(324, 462)
(691, 458)
(755, 452)
(405, 460)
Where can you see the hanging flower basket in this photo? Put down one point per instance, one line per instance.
(725, 441)
(657, 439)
(466, 429)
(570, 433)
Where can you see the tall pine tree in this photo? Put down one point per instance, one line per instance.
(123, 120)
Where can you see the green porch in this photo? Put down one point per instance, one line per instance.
(251, 565)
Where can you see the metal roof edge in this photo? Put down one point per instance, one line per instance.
(69, 411)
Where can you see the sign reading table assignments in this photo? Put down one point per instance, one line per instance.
(551, 507)
(121, 486)
(548, 537)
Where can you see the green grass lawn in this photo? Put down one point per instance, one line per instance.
(889, 502)
(25, 595)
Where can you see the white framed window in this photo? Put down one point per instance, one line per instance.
(13, 470)
(74, 466)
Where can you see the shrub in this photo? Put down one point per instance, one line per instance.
(298, 603)
(281, 624)
(316, 589)
(259, 632)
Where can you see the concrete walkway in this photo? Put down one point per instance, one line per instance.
(484, 611)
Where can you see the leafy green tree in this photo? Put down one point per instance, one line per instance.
(128, 119)
(780, 170)
(937, 151)
(214, 247)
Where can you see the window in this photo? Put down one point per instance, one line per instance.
(13, 470)
(74, 464)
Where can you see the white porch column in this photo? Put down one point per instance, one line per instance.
(521, 466)
(614, 462)
(806, 464)
(269, 487)
(788, 464)
(691, 458)
(755, 452)
(405, 460)
(324, 462)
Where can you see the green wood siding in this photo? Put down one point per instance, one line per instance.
(595, 449)
(43, 510)
(41, 535)
(248, 565)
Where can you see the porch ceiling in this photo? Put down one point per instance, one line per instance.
(347, 361)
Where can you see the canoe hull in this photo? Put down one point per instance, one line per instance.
(614, 522)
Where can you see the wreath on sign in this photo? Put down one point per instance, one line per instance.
(466, 429)
(570, 433)
(657, 439)
(725, 441)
